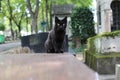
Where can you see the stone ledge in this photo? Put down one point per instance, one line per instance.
(43, 67)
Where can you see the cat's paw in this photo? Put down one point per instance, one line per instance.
(57, 52)
(61, 51)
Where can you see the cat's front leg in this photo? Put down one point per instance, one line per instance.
(57, 51)
(61, 51)
(50, 51)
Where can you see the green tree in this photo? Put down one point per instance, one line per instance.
(82, 24)
(44, 11)
(18, 14)
(14, 11)
(7, 11)
(79, 3)
(2, 27)
(33, 7)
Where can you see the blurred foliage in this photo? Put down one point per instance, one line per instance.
(20, 6)
(2, 27)
(82, 24)
(80, 3)
(78, 49)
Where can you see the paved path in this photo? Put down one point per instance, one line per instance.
(7, 46)
(106, 77)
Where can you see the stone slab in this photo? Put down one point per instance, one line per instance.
(43, 67)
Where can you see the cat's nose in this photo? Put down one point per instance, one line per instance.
(61, 28)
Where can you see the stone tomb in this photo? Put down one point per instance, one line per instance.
(103, 52)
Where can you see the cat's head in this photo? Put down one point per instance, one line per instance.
(60, 25)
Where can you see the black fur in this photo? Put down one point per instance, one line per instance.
(55, 40)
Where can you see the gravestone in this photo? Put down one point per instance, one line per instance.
(36, 42)
(61, 11)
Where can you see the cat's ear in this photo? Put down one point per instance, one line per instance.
(65, 19)
(56, 19)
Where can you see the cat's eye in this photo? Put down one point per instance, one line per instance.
(63, 24)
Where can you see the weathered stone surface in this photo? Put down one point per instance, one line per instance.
(43, 67)
(103, 52)
(103, 64)
(62, 9)
(109, 44)
(106, 65)
(117, 72)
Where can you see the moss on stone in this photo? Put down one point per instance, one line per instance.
(92, 57)
(91, 44)
(110, 34)
(95, 61)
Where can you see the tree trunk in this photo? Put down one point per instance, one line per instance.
(18, 23)
(34, 25)
(34, 15)
(77, 42)
(51, 15)
(47, 27)
(26, 22)
(10, 19)
(43, 19)
(12, 32)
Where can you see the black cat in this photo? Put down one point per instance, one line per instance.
(55, 41)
